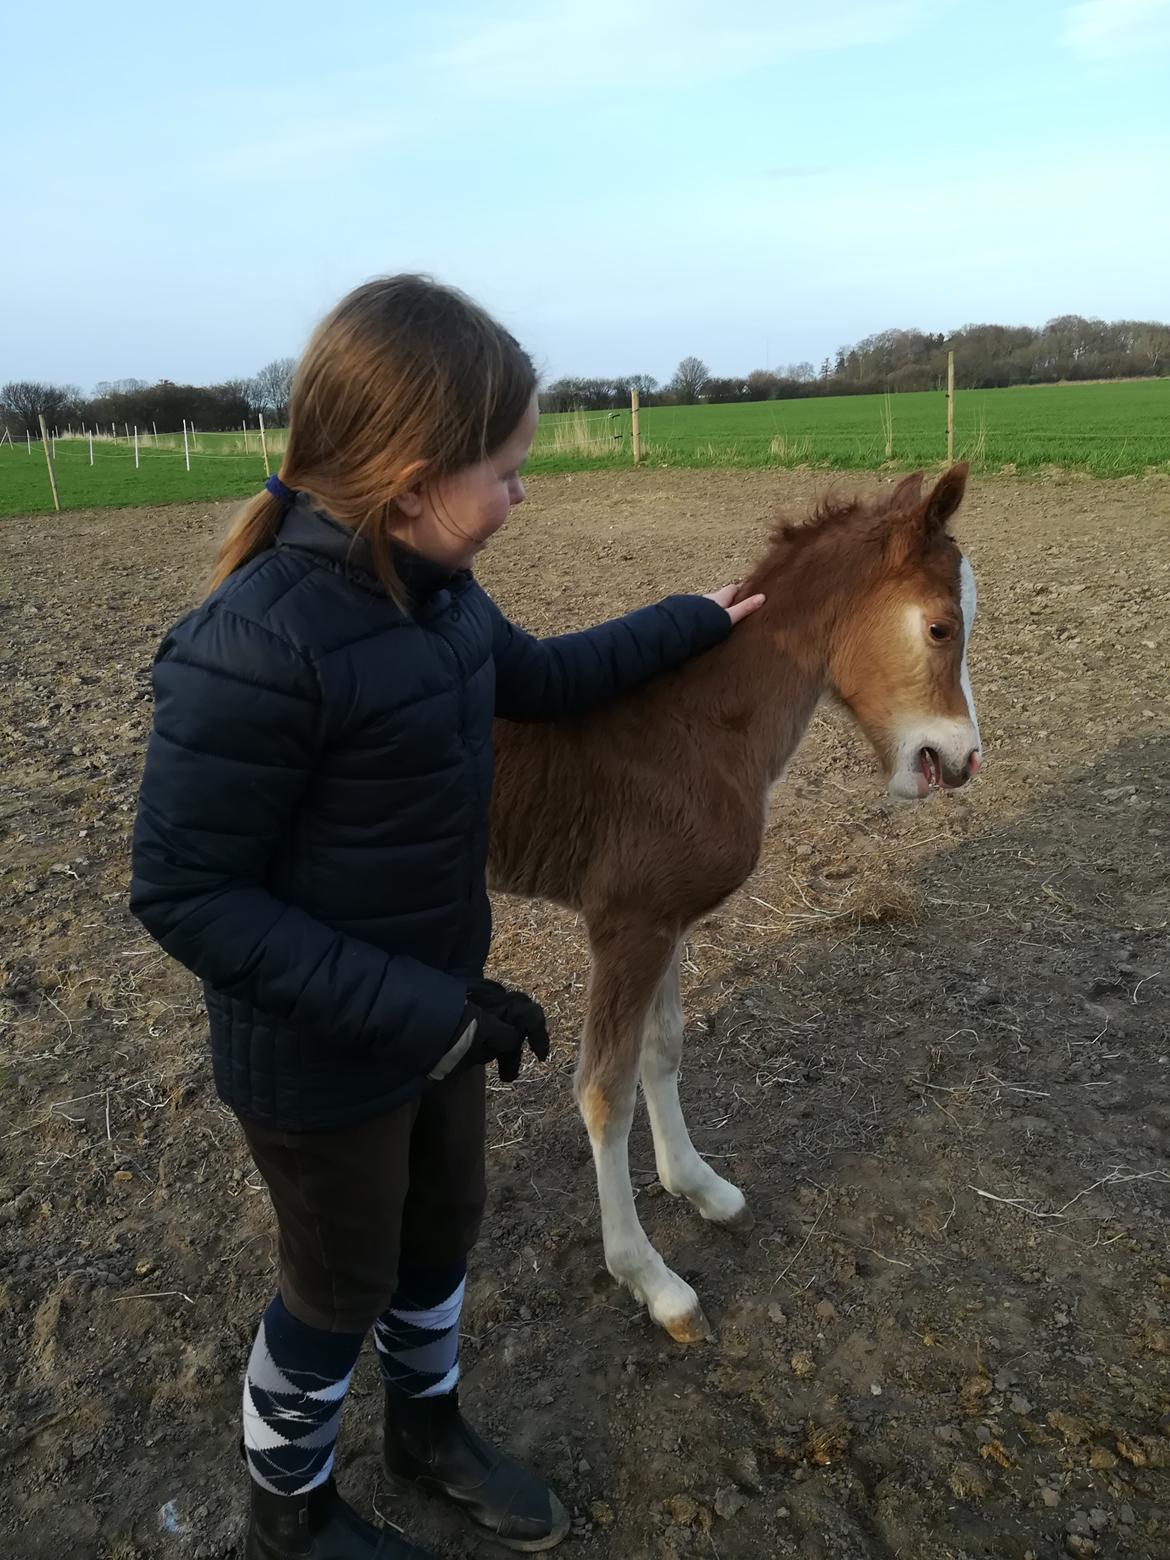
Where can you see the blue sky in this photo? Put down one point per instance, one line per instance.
(621, 181)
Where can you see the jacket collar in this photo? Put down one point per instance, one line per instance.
(311, 530)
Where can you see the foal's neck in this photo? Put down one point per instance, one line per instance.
(764, 683)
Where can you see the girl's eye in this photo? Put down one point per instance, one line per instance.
(940, 632)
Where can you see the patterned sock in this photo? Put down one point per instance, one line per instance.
(417, 1337)
(293, 1396)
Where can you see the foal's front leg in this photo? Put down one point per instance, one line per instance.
(627, 966)
(680, 1169)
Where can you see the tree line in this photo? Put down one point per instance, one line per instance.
(986, 357)
(134, 403)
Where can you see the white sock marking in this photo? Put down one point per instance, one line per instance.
(680, 1168)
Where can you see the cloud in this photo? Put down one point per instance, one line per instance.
(597, 44)
(321, 125)
(458, 67)
(796, 171)
(1116, 28)
(312, 146)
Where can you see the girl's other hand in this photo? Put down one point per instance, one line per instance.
(736, 610)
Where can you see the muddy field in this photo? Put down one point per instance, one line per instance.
(932, 1044)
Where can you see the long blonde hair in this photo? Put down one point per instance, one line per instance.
(404, 381)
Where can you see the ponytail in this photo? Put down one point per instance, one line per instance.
(254, 529)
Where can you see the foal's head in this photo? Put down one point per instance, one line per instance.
(898, 656)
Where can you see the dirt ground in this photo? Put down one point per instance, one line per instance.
(930, 1042)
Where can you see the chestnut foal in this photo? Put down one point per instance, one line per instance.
(648, 813)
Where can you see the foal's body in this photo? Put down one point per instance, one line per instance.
(644, 816)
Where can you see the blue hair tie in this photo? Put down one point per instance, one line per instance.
(277, 488)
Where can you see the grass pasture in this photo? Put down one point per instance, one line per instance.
(1106, 430)
(219, 469)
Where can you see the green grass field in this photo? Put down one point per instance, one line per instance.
(1120, 429)
(1108, 430)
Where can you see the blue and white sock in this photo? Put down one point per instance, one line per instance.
(417, 1336)
(294, 1392)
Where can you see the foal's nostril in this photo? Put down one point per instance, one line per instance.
(960, 776)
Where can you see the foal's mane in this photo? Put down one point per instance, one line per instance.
(834, 513)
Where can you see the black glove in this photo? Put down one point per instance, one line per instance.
(505, 1021)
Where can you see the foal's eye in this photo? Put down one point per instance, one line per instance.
(940, 632)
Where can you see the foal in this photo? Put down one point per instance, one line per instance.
(647, 814)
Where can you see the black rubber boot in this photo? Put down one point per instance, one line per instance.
(430, 1446)
(318, 1526)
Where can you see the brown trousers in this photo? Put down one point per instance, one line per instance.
(350, 1203)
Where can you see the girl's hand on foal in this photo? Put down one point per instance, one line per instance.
(736, 610)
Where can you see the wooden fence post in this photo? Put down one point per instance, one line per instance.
(49, 464)
(91, 446)
(154, 426)
(263, 445)
(244, 426)
(635, 431)
(186, 451)
(950, 408)
(28, 437)
(135, 446)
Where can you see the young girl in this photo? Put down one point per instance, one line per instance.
(311, 841)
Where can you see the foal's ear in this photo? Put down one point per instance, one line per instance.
(946, 496)
(907, 495)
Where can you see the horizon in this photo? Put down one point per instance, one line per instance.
(114, 386)
(622, 189)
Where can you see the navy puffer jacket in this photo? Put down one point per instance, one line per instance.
(311, 836)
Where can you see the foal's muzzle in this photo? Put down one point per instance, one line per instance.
(946, 754)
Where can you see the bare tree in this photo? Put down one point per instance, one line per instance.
(644, 384)
(23, 401)
(271, 389)
(231, 403)
(689, 378)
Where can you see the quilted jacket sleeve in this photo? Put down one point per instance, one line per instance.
(238, 722)
(551, 679)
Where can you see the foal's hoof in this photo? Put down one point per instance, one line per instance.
(729, 1209)
(739, 1223)
(690, 1327)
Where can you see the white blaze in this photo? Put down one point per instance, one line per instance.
(953, 739)
(967, 605)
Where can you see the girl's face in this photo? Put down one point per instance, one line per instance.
(452, 520)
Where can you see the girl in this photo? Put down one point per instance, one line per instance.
(311, 841)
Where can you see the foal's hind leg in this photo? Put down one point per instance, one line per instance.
(680, 1168)
(628, 962)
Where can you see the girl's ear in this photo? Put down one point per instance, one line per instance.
(409, 497)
